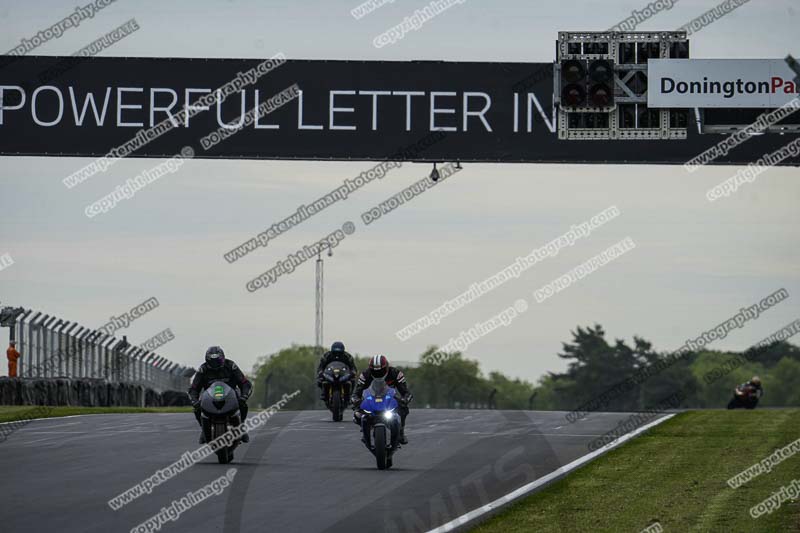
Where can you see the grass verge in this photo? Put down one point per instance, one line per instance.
(676, 475)
(10, 413)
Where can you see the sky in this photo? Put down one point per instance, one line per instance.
(695, 263)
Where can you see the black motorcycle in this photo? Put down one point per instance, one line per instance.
(746, 397)
(219, 411)
(337, 386)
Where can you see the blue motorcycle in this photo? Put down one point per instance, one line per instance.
(380, 422)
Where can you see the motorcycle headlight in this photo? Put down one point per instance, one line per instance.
(387, 415)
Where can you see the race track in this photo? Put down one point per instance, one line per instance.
(301, 472)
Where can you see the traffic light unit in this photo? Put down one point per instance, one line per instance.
(587, 84)
(601, 85)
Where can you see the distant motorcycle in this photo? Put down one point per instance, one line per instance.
(746, 397)
(337, 384)
(380, 422)
(219, 411)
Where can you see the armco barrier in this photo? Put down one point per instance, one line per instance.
(85, 392)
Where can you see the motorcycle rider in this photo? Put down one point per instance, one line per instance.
(755, 384)
(218, 368)
(336, 353)
(747, 394)
(379, 369)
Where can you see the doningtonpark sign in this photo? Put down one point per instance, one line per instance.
(726, 83)
(318, 110)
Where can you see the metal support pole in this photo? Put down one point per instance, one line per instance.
(39, 341)
(106, 351)
(50, 349)
(94, 361)
(94, 351)
(156, 372)
(148, 375)
(140, 354)
(24, 345)
(106, 360)
(319, 301)
(32, 344)
(18, 334)
(63, 348)
(45, 332)
(164, 375)
(55, 347)
(129, 353)
(164, 382)
(85, 353)
(137, 353)
(69, 348)
(77, 337)
(90, 351)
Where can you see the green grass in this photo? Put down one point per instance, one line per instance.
(9, 413)
(675, 474)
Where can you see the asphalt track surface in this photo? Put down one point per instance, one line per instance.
(300, 473)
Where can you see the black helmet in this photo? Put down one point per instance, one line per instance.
(337, 346)
(215, 357)
(379, 366)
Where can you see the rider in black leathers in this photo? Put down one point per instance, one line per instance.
(755, 383)
(747, 394)
(217, 368)
(337, 353)
(379, 368)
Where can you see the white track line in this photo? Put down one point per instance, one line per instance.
(525, 489)
(86, 414)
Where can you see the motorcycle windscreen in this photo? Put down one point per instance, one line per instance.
(378, 387)
(379, 396)
(337, 368)
(219, 398)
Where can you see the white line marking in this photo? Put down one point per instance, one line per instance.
(525, 489)
(39, 440)
(21, 421)
(29, 420)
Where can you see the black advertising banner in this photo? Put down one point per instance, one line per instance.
(303, 109)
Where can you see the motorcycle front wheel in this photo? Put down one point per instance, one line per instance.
(224, 455)
(336, 405)
(379, 438)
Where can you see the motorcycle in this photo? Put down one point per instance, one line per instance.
(746, 397)
(219, 411)
(380, 422)
(337, 385)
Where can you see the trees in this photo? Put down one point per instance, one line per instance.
(286, 371)
(596, 366)
(783, 380)
(704, 379)
(455, 382)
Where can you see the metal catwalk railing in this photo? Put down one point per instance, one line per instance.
(56, 348)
